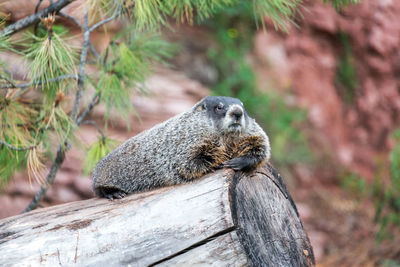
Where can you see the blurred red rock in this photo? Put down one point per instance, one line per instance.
(359, 131)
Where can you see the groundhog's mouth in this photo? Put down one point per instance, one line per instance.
(236, 126)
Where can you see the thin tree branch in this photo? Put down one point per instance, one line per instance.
(49, 179)
(36, 11)
(16, 148)
(96, 126)
(104, 21)
(38, 5)
(34, 18)
(115, 15)
(60, 157)
(95, 53)
(81, 73)
(94, 102)
(73, 19)
(25, 85)
(7, 79)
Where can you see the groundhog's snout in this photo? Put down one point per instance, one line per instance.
(236, 113)
(234, 119)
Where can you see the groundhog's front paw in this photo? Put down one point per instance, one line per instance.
(112, 193)
(237, 164)
(116, 195)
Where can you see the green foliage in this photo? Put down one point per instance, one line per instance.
(354, 184)
(390, 263)
(346, 75)
(183, 10)
(125, 65)
(234, 29)
(339, 4)
(149, 14)
(387, 194)
(384, 191)
(280, 11)
(50, 57)
(101, 9)
(7, 166)
(15, 118)
(5, 45)
(97, 151)
(58, 121)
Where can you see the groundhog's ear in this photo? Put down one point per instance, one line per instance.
(200, 106)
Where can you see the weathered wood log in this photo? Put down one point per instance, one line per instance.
(223, 219)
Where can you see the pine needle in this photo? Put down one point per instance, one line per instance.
(50, 57)
(127, 65)
(148, 14)
(97, 151)
(280, 11)
(35, 165)
(100, 9)
(15, 118)
(59, 122)
(184, 10)
(16, 128)
(339, 4)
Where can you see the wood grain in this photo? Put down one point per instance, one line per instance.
(267, 220)
(222, 219)
(138, 230)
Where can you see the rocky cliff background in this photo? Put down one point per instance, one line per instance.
(342, 67)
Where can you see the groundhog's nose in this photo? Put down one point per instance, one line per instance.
(237, 113)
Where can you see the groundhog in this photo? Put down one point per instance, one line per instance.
(215, 133)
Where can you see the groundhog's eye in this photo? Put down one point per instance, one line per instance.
(219, 107)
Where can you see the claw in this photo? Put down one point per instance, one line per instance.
(115, 194)
(243, 163)
(235, 164)
(119, 195)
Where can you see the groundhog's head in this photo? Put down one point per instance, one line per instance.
(228, 114)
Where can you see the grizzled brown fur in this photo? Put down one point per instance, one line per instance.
(215, 133)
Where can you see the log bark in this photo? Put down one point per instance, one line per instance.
(222, 219)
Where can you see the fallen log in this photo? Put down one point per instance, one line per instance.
(222, 219)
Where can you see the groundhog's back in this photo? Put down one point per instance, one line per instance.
(151, 159)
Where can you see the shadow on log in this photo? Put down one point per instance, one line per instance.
(222, 219)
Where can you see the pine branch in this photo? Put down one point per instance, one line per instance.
(16, 148)
(74, 20)
(96, 126)
(104, 21)
(78, 96)
(25, 85)
(81, 73)
(86, 41)
(32, 19)
(59, 159)
(7, 79)
(38, 5)
(49, 179)
(94, 102)
(36, 11)
(114, 16)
